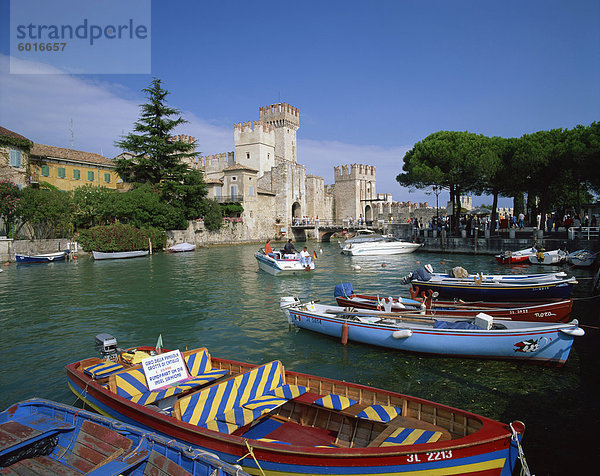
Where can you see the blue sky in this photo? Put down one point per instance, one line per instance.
(370, 78)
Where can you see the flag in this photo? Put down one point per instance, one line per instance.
(159, 344)
(315, 254)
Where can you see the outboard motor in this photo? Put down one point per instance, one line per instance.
(106, 345)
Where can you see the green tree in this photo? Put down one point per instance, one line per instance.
(155, 155)
(47, 213)
(212, 214)
(10, 196)
(92, 205)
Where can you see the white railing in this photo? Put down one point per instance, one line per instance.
(584, 232)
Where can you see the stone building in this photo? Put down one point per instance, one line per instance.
(14, 157)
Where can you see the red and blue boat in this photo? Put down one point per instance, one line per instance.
(276, 422)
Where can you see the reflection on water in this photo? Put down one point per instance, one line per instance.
(217, 297)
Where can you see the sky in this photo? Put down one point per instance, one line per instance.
(370, 78)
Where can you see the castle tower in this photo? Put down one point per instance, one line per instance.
(285, 119)
(255, 145)
(354, 191)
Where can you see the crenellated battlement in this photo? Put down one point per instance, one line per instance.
(257, 126)
(354, 172)
(183, 138)
(280, 115)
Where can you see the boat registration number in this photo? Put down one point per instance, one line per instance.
(431, 456)
(313, 320)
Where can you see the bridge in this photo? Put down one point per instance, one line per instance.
(325, 229)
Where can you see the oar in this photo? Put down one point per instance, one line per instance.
(399, 315)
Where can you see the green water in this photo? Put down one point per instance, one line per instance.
(217, 297)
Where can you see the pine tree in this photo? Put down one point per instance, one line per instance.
(155, 157)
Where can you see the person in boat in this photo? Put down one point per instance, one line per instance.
(289, 248)
(268, 249)
(421, 274)
(305, 257)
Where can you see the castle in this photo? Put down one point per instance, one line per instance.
(263, 175)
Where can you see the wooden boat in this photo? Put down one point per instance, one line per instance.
(44, 437)
(42, 258)
(280, 263)
(368, 243)
(514, 257)
(548, 257)
(582, 258)
(278, 422)
(119, 254)
(181, 248)
(477, 290)
(467, 277)
(551, 311)
(481, 336)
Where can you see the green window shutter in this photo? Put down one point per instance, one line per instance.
(76, 174)
(90, 176)
(45, 171)
(106, 178)
(15, 158)
(62, 173)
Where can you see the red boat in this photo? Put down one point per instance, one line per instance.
(551, 311)
(276, 422)
(514, 257)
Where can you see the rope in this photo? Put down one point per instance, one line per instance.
(524, 468)
(251, 453)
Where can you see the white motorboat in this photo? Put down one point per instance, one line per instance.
(276, 263)
(368, 243)
(548, 257)
(119, 254)
(181, 248)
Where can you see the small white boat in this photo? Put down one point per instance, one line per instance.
(548, 257)
(368, 243)
(119, 254)
(276, 263)
(582, 258)
(181, 248)
(513, 257)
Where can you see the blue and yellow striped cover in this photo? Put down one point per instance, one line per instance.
(288, 391)
(335, 402)
(411, 436)
(132, 386)
(207, 404)
(197, 361)
(265, 403)
(103, 369)
(383, 413)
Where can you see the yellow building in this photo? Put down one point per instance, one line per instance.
(68, 169)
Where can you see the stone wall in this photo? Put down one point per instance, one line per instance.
(8, 247)
(17, 175)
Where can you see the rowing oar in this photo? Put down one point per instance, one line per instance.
(398, 315)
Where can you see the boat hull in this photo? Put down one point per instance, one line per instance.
(548, 257)
(41, 258)
(281, 266)
(582, 259)
(502, 292)
(547, 344)
(515, 257)
(55, 418)
(98, 255)
(490, 450)
(380, 248)
(556, 311)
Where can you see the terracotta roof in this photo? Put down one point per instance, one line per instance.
(240, 167)
(52, 152)
(217, 181)
(9, 133)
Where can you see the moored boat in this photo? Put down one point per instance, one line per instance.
(582, 258)
(551, 311)
(45, 437)
(368, 243)
(119, 254)
(282, 263)
(275, 421)
(514, 257)
(181, 248)
(42, 258)
(480, 336)
(548, 257)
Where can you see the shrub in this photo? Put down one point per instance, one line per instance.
(121, 237)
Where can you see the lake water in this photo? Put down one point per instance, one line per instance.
(217, 297)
